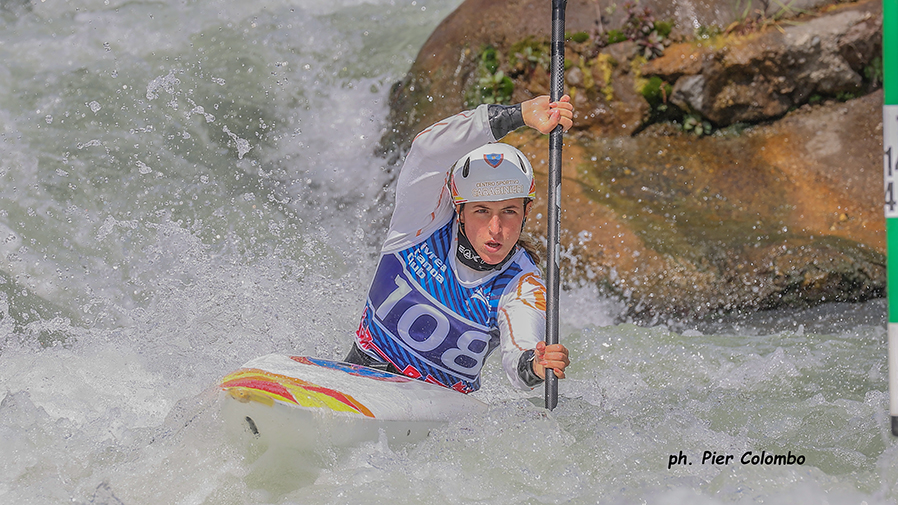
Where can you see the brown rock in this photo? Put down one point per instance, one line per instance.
(781, 213)
(862, 42)
(762, 76)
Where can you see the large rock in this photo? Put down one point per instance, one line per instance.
(770, 217)
(765, 75)
(781, 209)
(607, 93)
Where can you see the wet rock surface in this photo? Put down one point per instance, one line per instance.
(763, 76)
(762, 219)
(779, 206)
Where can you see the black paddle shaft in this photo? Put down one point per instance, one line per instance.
(554, 202)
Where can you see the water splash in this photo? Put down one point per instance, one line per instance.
(140, 261)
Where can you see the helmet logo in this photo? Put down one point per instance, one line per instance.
(493, 160)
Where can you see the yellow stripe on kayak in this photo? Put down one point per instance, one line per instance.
(250, 384)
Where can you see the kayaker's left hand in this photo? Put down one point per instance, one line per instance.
(553, 356)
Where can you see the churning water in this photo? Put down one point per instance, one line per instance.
(187, 185)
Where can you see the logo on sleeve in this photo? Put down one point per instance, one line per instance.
(532, 292)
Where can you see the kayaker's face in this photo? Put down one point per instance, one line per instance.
(493, 228)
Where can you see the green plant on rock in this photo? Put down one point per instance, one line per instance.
(785, 9)
(873, 72)
(742, 8)
(605, 64)
(639, 23)
(578, 37)
(705, 32)
(641, 27)
(664, 28)
(694, 124)
(651, 46)
(585, 67)
(615, 36)
(844, 96)
(491, 85)
(746, 22)
(656, 91)
(489, 59)
(495, 88)
(527, 55)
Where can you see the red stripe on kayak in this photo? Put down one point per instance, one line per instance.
(268, 386)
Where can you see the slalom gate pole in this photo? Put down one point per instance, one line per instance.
(890, 168)
(553, 225)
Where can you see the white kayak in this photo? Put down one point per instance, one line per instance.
(310, 403)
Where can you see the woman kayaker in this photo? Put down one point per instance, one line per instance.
(455, 279)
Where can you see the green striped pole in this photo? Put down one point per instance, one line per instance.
(890, 168)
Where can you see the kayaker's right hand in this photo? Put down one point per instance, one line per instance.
(544, 116)
(553, 356)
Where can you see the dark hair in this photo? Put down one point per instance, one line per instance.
(527, 243)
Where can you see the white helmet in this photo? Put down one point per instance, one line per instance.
(492, 173)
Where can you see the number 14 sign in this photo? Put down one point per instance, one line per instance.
(890, 158)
